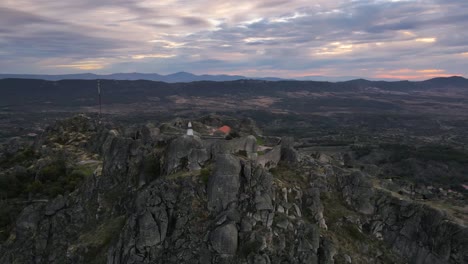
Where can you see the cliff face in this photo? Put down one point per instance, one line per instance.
(420, 233)
(160, 199)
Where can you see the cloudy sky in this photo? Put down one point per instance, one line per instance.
(407, 39)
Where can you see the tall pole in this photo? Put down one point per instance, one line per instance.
(99, 94)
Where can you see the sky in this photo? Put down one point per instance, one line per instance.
(403, 39)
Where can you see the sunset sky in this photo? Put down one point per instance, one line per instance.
(375, 39)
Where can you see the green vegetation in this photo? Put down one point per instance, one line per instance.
(430, 164)
(334, 209)
(34, 187)
(97, 241)
(11, 185)
(57, 179)
(442, 153)
(426, 153)
(53, 170)
(13, 182)
(205, 174)
(361, 151)
(242, 153)
(24, 157)
(152, 166)
(49, 181)
(180, 174)
(184, 162)
(288, 174)
(345, 234)
(260, 141)
(232, 135)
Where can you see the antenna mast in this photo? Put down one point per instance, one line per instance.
(99, 94)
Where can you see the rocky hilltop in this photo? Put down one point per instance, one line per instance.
(151, 194)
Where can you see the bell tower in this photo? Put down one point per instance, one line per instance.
(189, 129)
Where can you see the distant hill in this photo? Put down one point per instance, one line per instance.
(170, 78)
(81, 92)
(177, 77)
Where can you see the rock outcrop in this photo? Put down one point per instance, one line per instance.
(185, 152)
(224, 183)
(245, 146)
(420, 233)
(219, 204)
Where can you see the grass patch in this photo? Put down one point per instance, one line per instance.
(205, 173)
(97, 241)
(179, 174)
(260, 141)
(334, 209)
(288, 174)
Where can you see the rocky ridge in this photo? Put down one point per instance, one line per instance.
(160, 198)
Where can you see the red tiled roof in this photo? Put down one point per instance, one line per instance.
(225, 129)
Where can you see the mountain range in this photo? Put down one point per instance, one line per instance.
(172, 78)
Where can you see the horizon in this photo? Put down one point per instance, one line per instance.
(301, 78)
(375, 39)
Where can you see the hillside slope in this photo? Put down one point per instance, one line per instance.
(160, 197)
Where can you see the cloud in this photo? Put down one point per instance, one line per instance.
(274, 37)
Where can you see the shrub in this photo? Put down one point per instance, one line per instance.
(184, 162)
(205, 174)
(152, 166)
(260, 141)
(34, 187)
(53, 171)
(232, 135)
(10, 186)
(96, 241)
(53, 189)
(242, 153)
(23, 157)
(361, 151)
(77, 175)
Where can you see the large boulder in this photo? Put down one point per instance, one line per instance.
(224, 183)
(357, 191)
(420, 233)
(55, 205)
(245, 146)
(224, 239)
(152, 229)
(185, 152)
(271, 158)
(288, 153)
(312, 203)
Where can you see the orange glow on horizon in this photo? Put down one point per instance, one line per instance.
(412, 74)
(413, 77)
